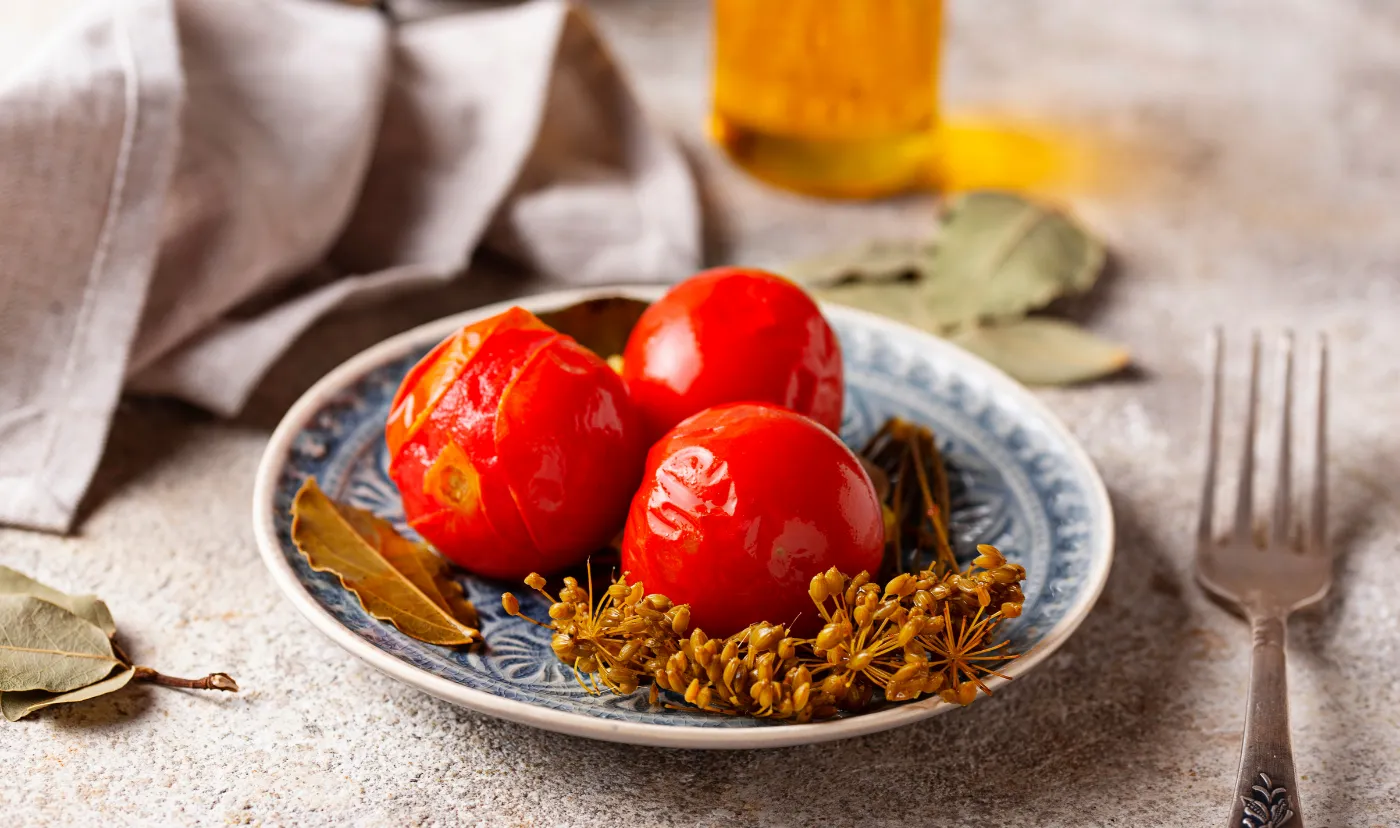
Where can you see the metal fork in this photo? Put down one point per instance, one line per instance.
(1266, 576)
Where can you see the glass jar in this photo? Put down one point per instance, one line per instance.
(829, 97)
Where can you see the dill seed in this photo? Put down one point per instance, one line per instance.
(835, 581)
(800, 695)
(899, 584)
(829, 637)
(680, 622)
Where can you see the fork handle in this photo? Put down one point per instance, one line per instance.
(1266, 794)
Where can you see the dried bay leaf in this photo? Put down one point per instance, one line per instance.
(454, 599)
(881, 260)
(424, 568)
(412, 560)
(996, 258)
(458, 604)
(349, 543)
(1000, 255)
(45, 647)
(57, 648)
(417, 562)
(1044, 351)
(428, 571)
(600, 325)
(88, 607)
(900, 301)
(16, 706)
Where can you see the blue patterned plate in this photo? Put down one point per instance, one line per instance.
(1020, 482)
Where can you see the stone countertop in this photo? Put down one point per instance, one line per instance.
(1254, 181)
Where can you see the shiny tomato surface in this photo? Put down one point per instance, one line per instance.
(733, 335)
(740, 506)
(514, 448)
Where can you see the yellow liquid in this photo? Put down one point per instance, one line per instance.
(829, 97)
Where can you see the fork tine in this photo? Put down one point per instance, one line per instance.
(1283, 495)
(1215, 348)
(1317, 528)
(1244, 502)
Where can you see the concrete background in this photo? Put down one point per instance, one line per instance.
(1252, 179)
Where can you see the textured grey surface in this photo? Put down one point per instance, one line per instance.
(1257, 183)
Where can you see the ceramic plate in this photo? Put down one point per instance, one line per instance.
(1019, 481)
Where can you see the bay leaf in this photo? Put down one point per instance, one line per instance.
(414, 561)
(428, 571)
(880, 260)
(411, 560)
(88, 607)
(16, 706)
(45, 647)
(417, 562)
(455, 600)
(348, 543)
(600, 325)
(458, 604)
(997, 256)
(1044, 351)
(900, 301)
(1000, 255)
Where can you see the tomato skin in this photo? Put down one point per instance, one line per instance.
(461, 414)
(733, 335)
(514, 448)
(739, 507)
(571, 445)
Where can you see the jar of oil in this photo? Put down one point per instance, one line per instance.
(829, 97)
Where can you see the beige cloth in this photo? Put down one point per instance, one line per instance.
(186, 186)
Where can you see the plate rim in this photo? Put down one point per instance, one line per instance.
(300, 413)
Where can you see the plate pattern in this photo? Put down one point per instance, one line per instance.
(1014, 485)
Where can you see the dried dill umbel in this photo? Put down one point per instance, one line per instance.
(619, 641)
(919, 502)
(916, 634)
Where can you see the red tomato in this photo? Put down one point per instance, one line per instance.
(515, 449)
(733, 335)
(740, 506)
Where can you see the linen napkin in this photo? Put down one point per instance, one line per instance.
(186, 185)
